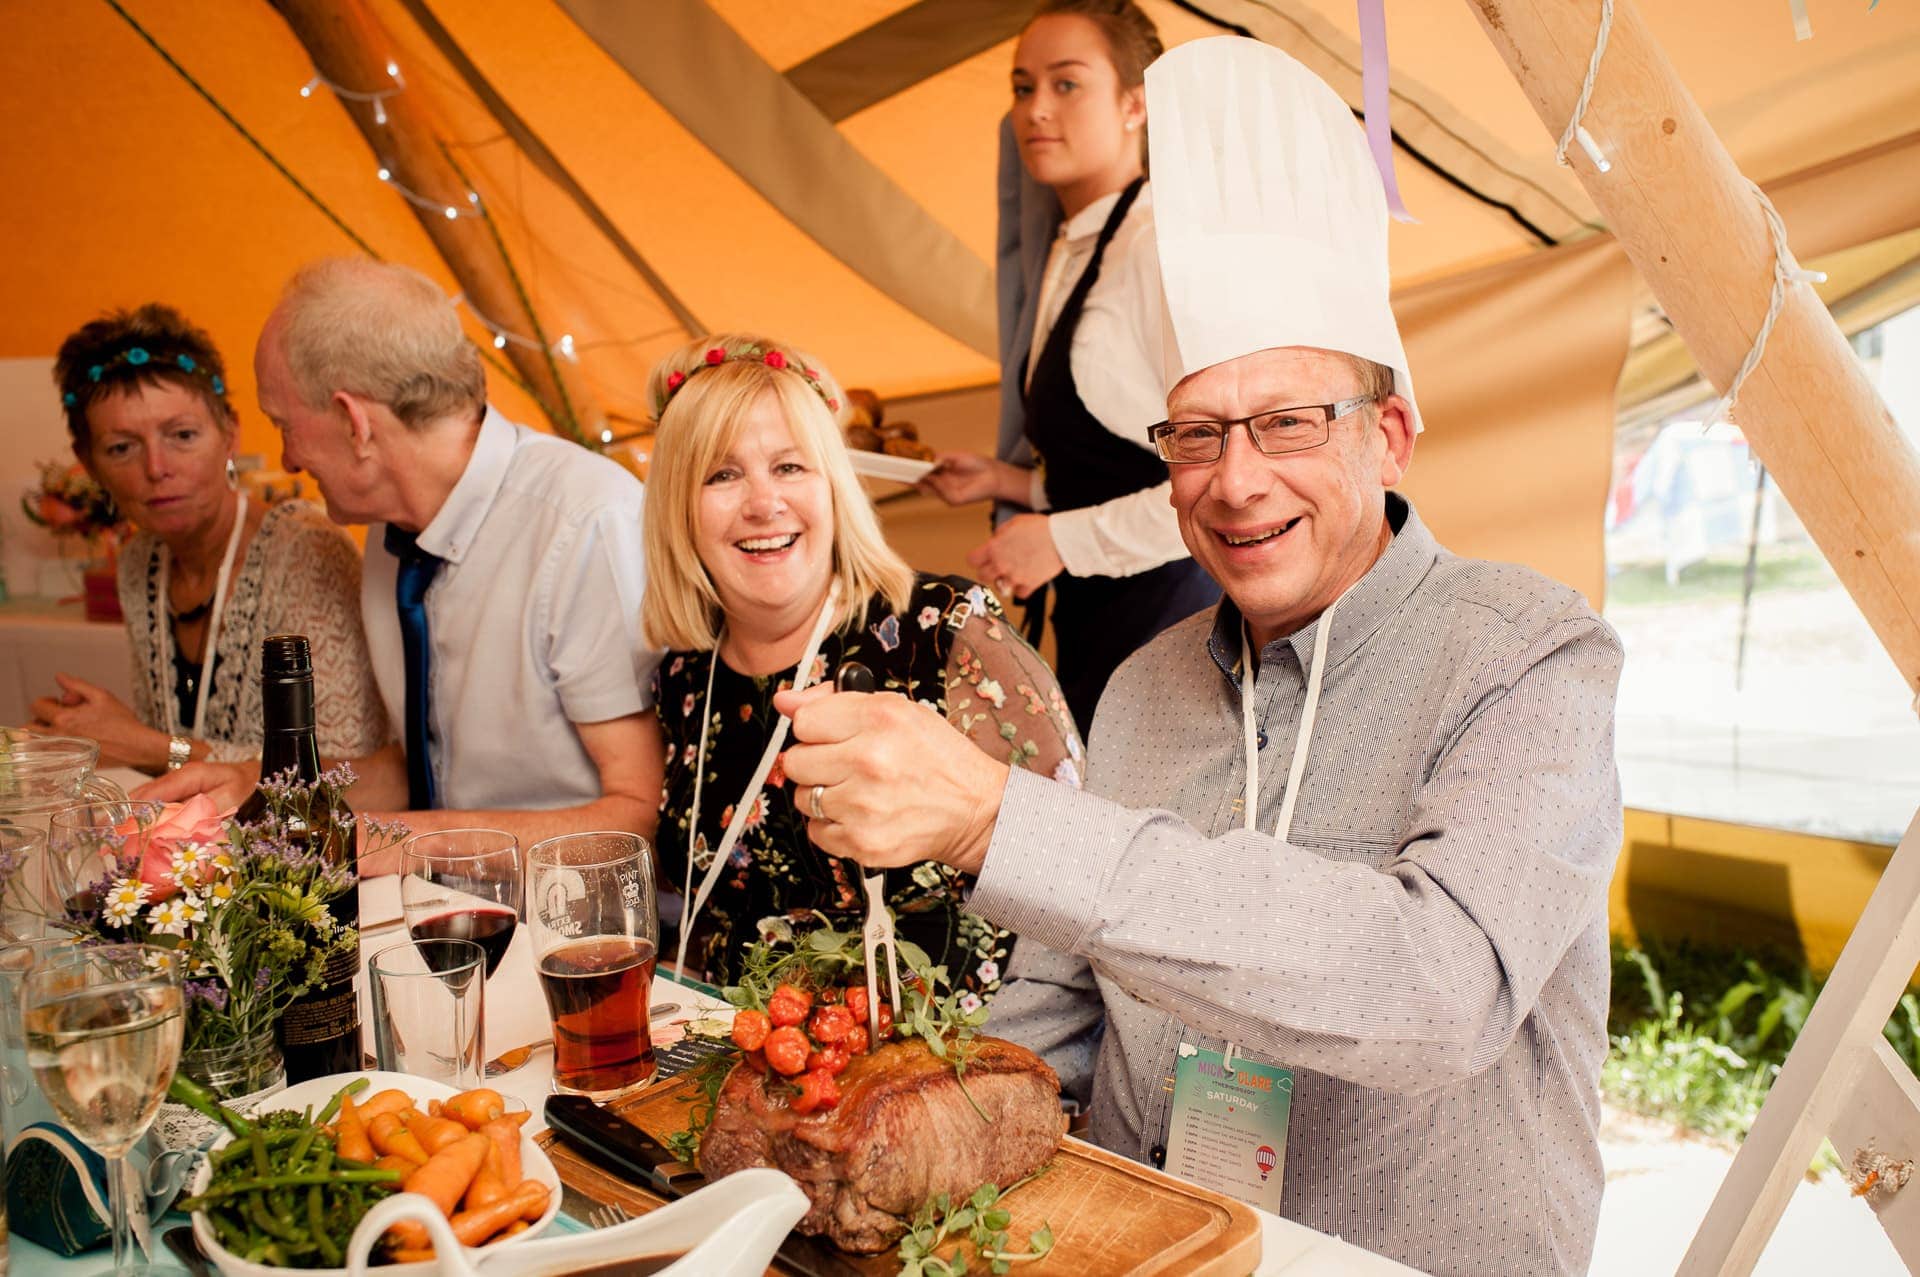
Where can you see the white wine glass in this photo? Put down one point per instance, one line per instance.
(103, 1030)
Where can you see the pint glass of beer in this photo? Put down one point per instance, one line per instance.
(595, 936)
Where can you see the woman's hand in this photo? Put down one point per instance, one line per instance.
(82, 709)
(962, 477)
(1019, 558)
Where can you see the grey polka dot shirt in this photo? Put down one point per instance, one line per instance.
(1427, 952)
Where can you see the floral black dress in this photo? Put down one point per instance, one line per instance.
(951, 649)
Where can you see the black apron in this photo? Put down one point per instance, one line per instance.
(1099, 621)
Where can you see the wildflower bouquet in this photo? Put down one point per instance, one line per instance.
(246, 902)
(67, 502)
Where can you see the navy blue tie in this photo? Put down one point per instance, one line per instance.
(416, 569)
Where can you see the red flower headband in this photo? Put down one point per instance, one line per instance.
(747, 354)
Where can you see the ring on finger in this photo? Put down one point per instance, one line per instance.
(813, 802)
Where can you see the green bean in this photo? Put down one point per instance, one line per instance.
(297, 1179)
(316, 1221)
(354, 1087)
(263, 1219)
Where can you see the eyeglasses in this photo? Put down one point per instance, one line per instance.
(1274, 432)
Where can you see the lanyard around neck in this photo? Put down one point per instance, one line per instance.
(691, 904)
(1308, 710)
(207, 653)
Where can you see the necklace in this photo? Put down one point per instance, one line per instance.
(188, 616)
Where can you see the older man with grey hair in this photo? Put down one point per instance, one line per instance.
(1328, 930)
(504, 569)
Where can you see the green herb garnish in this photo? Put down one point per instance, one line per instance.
(979, 1221)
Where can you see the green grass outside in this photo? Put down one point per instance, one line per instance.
(1642, 584)
(1698, 1034)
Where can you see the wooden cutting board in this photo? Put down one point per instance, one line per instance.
(1109, 1215)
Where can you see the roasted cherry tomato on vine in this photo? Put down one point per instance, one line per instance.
(886, 1022)
(750, 1030)
(818, 1090)
(856, 1039)
(857, 1001)
(829, 1059)
(787, 1049)
(788, 1005)
(828, 996)
(830, 1024)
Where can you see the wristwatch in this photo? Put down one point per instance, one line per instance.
(179, 750)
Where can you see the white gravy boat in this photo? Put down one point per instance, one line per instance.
(727, 1229)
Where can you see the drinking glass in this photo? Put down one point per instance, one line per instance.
(463, 884)
(21, 1104)
(429, 1009)
(596, 939)
(89, 844)
(103, 1029)
(23, 911)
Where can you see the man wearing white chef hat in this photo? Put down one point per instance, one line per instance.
(1371, 878)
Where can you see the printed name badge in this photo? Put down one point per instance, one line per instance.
(1229, 1128)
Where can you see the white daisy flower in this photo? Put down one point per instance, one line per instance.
(125, 899)
(169, 917)
(219, 892)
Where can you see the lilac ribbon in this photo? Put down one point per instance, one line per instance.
(1373, 95)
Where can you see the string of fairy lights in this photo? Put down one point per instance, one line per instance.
(503, 335)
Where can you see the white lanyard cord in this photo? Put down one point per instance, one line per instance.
(207, 652)
(691, 904)
(1309, 709)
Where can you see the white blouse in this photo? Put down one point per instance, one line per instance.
(1117, 370)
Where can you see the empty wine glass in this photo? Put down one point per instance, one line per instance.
(463, 884)
(103, 1029)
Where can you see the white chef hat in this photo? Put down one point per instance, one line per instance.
(1269, 213)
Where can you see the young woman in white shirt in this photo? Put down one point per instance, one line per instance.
(1086, 494)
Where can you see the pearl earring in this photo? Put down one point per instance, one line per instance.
(233, 475)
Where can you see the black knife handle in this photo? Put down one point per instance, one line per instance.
(617, 1144)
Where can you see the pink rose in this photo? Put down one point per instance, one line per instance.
(196, 820)
(674, 379)
(774, 359)
(716, 356)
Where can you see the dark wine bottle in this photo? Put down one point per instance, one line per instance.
(320, 1032)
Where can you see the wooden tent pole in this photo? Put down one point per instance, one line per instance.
(1694, 230)
(349, 47)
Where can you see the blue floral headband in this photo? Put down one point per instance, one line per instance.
(138, 356)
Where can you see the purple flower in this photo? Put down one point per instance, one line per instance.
(262, 978)
(210, 992)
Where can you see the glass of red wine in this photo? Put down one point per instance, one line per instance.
(463, 884)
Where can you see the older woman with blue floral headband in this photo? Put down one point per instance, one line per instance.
(766, 566)
(210, 572)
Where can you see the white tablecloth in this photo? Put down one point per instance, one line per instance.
(39, 637)
(516, 1013)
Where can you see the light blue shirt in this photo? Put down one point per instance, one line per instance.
(534, 619)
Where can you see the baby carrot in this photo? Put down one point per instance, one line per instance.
(388, 1101)
(435, 1133)
(351, 1141)
(472, 1227)
(389, 1134)
(506, 1142)
(447, 1173)
(477, 1107)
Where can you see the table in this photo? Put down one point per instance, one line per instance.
(39, 637)
(516, 1013)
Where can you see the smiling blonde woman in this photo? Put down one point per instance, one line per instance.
(762, 545)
